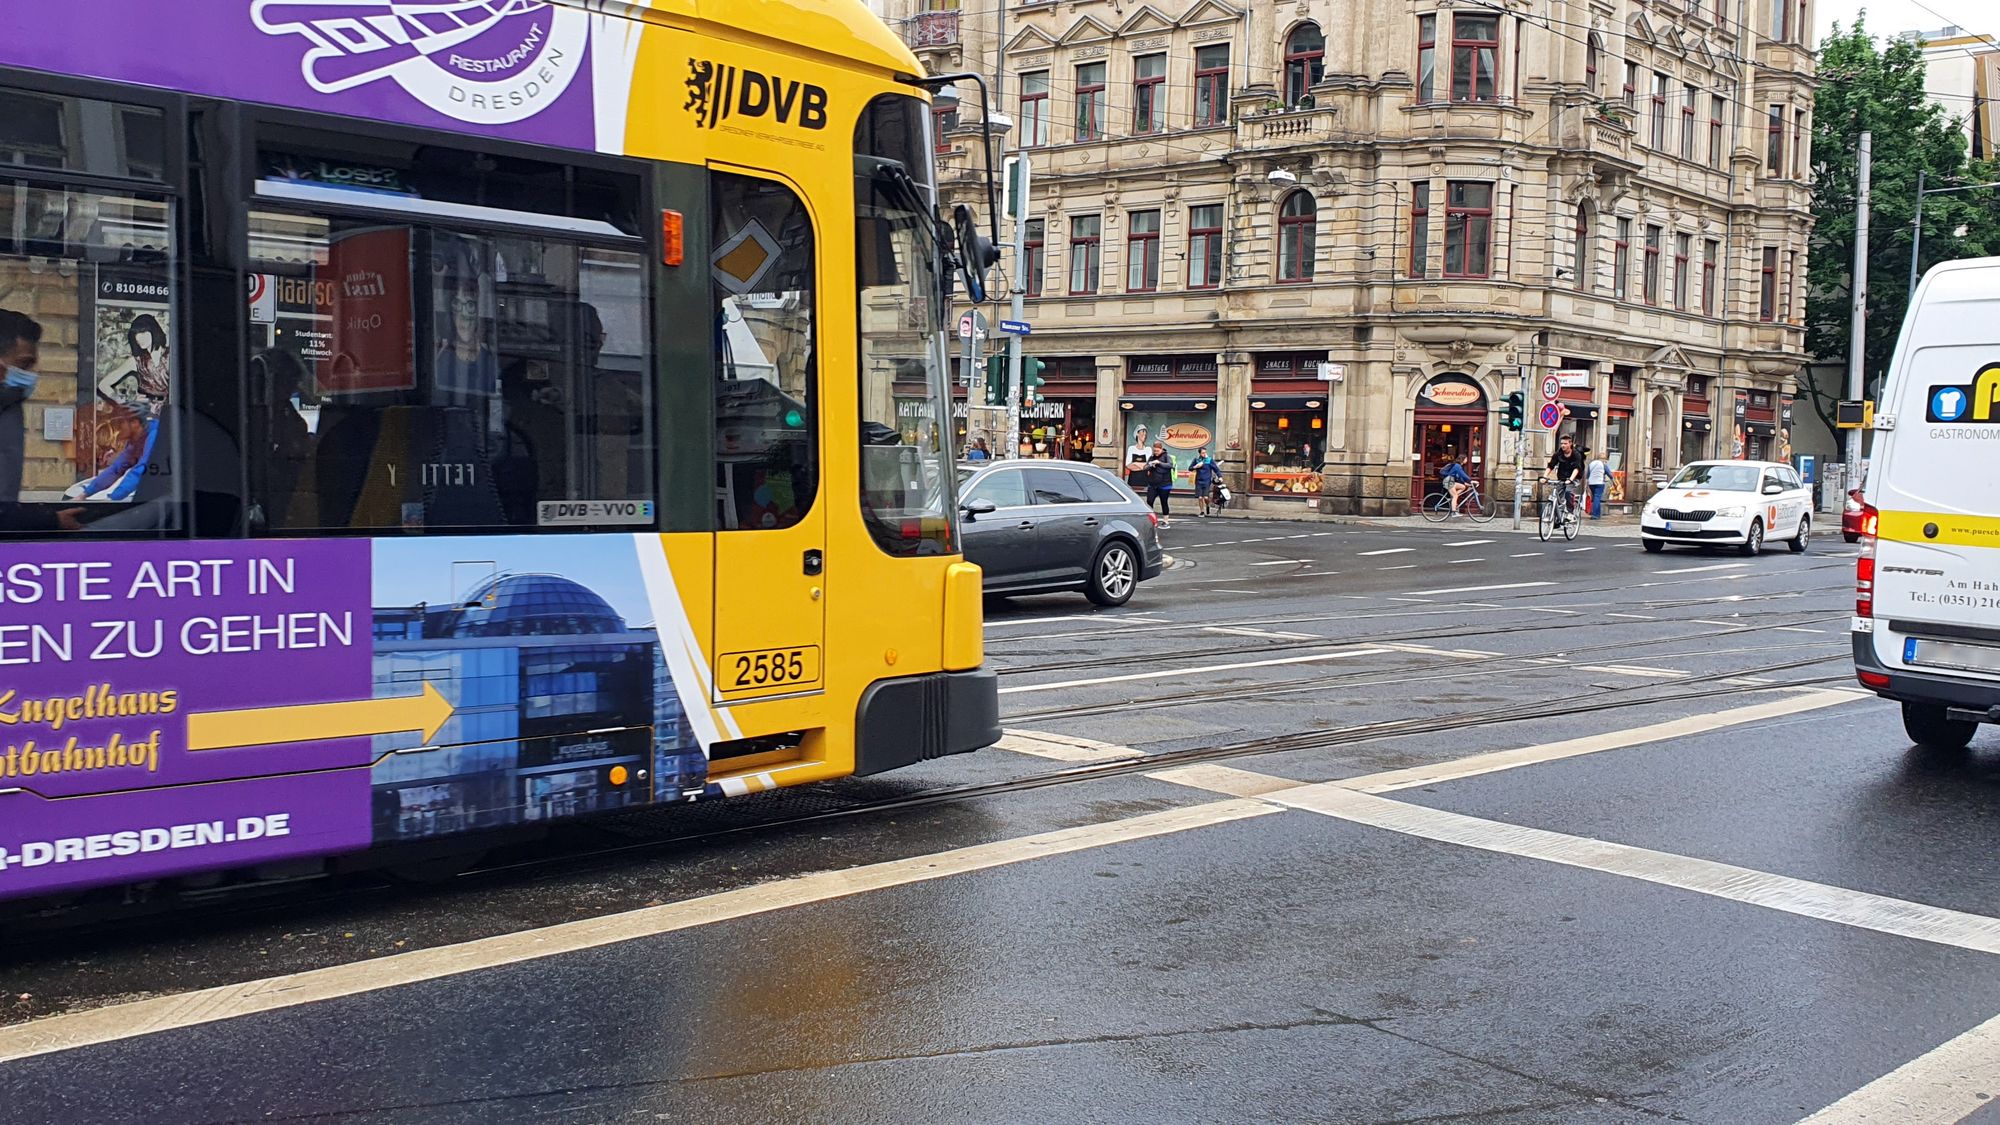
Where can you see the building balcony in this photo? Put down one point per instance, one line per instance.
(1283, 128)
(931, 30)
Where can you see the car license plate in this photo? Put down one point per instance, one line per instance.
(1682, 525)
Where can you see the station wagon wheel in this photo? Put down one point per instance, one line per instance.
(1113, 576)
(1804, 537)
(1754, 542)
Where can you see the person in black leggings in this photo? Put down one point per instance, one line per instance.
(1160, 482)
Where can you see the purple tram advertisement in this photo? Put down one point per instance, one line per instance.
(167, 708)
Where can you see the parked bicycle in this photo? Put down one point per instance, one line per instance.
(1472, 504)
(1560, 512)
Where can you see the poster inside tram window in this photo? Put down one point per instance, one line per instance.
(367, 309)
(122, 405)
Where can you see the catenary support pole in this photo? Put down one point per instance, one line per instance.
(1917, 237)
(1857, 321)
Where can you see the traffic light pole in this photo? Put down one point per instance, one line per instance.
(1018, 278)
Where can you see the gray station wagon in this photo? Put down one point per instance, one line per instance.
(1046, 526)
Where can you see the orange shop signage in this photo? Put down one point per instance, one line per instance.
(1185, 435)
(1452, 392)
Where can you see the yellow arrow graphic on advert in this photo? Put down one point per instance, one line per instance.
(312, 722)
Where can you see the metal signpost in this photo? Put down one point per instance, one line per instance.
(1017, 175)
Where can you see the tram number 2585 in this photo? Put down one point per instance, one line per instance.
(776, 667)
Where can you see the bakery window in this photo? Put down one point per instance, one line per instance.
(1289, 445)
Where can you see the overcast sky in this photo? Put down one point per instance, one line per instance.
(1887, 17)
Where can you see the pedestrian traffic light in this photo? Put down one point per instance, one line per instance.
(1514, 415)
(1031, 379)
(996, 380)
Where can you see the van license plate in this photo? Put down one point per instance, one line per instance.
(1952, 655)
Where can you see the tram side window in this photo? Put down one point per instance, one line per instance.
(766, 380)
(411, 375)
(90, 383)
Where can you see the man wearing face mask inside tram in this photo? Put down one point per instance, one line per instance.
(20, 354)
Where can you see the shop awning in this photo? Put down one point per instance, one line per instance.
(1159, 404)
(1578, 410)
(1695, 425)
(1287, 402)
(1762, 429)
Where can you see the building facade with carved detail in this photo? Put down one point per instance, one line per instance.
(1338, 234)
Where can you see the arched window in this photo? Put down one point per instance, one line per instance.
(1305, 63)
(1586, 250)
(1295, 237)
(1592, 53)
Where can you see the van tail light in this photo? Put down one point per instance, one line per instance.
(1864, 567)
(1155, 517)
(1874, 679)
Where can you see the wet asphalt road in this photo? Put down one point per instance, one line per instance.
(1342, 907)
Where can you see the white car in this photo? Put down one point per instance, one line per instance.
(1729, 504)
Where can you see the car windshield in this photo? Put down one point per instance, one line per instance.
(1724, 478)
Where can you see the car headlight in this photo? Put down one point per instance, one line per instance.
(1726, 512)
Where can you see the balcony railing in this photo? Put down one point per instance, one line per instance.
(933, 29)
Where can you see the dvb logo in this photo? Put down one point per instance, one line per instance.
(717, 93)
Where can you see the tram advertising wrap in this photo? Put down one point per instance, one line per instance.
(257, 701)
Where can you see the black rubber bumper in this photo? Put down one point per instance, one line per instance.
(1922, 687)
(902, 722)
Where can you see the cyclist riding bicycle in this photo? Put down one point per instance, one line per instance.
(1454, 478)
(1566, 470)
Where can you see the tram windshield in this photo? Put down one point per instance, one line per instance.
(906, 486)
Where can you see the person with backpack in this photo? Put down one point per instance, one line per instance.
(1207, 483)
(1160, 481)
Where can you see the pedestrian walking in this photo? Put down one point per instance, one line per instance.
(1597, 474)
(978, 452)
(1160, 482)
(1136, 456)
(1207, 482)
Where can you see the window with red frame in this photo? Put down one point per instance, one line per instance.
(1711, 251)
(1090, 101)
(1659, 130)
(1718, 155)
(1683, 253)
(1205, 246)
(1033, 257)
(1211, 85)
(1420, 229)
(1035, 108)
(1296, 237)
(1791, 287)
(1427, 34)
(1305, 63)
(1799, 147)
(1475, 58)
(1592, 51)
(1085, 236)
(1621, 260)
(1142, 252)
(1774, 143)
(1651, 286)
(1149, 93)
(1767, 289)
(1631, 89)
(943, 119)
(1468, 229)
(1689, 95)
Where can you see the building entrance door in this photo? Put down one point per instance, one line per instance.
(1464, 440)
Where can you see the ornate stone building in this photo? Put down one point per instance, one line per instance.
(1342, 232)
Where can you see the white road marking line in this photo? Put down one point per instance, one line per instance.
(1428, 650)
(1578, 550)
(1634, 670)
(1285, 562)
(1063, 748)
(1721, 624)
(1321, 534)
(1946, 1084)
(1225, 779)
(1462, 562)
(1469, 543)
(1387, 551)
(1266, 634)
(1800, 629)
(1095, 618)
(1703, 569)
(1495, 761)
(1305, 536)
(1410, 566)
(189, 1009)
(1632, 616)
(1860, 909)
(1526, 555)
(1201, 670)
(1481, 589)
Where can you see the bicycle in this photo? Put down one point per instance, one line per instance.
(1471, 503)
(1561, 512)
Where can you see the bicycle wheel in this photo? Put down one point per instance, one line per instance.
(1483, 510)
(1437, 507)
(1572, 522)
(1545, 519)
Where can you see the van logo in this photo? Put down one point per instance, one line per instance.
(1977, 401)
(717, 92)
(482, 62)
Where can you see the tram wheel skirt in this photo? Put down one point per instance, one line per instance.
(905, 721)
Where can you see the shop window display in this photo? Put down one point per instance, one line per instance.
(1289, 447)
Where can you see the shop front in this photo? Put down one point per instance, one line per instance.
(1184, 425)
(1288, 406)
(1450, 424)
(1619, 403)
(1067, 409)
(1739, 447)
(1695, 421)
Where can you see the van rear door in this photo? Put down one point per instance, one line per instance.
(1937, 555)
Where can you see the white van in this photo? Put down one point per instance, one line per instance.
(1927, 607)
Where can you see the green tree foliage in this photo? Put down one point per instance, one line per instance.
(1869, 87)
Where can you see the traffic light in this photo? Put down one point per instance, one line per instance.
(996, 380)
(1514, 416)
(1031, 378)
